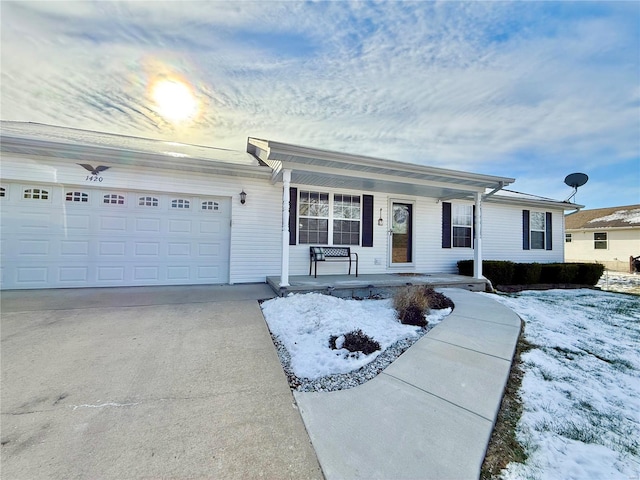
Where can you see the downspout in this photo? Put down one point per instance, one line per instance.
(286, 205)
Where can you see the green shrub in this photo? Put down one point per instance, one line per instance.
(559, 273)
(465, 267)
(526, 273)
(589, 273)
(499, 272)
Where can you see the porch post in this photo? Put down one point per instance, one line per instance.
(286, 204)
(477, 248)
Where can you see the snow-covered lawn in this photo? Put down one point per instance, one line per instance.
(620, 282)
(581, 386)
(305, 322)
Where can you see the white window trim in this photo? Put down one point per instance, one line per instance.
(330, 218)
(543, 231)
(454, 206)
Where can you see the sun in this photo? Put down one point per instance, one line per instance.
(174, 100)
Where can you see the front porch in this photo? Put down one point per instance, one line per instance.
(367, 285)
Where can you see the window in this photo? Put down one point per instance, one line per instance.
(314, 217)
(180, 203)
(36, 194)
(600, 241)
(2, 192)
(113, 199)
(77, 197)
(210, 205)
(462, 222)
(538, 230)
(148, 201)
(567, 238)
(346, 220)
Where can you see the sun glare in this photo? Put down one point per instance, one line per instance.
(174, 100)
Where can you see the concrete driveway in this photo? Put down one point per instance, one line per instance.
(151, 382)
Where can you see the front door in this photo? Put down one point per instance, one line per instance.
(401, 233)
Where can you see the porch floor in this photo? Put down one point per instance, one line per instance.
(350, 286)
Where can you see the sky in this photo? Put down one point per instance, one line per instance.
(529, 90)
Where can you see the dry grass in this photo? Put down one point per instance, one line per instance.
(504, 447)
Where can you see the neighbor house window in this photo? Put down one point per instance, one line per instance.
(36, 194)
(2, 192)
(313, 210)
(461, 224)
(567, 238)
(538, 230)
(600, 241)
(346, 220)
(210, 205)
(180, 203)
(113, 199)
(148, 201)
(77, 197)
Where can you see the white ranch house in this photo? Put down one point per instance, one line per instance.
(87, 209)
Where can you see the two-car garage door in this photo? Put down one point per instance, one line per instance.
(55, 237)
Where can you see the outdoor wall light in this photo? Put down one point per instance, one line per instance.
(243, 197)
(380, 221)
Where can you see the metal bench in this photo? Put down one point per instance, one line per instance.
(335, 254)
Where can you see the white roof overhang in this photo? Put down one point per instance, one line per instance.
(171, 156)
(526, 200)
(323, 168)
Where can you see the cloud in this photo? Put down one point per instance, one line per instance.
(493, 87)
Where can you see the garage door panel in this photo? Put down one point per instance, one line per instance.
(33, 248)
(146, 273)
(210, 226)
(110, 273)
(179, 226)
(179, 249)
(112, 248)
(146, 225)
(112, 223)
(73, 275)
(74, 248)
(28, 276)
(147, 249)
(178, 272)
(77, 223)
(209, 250)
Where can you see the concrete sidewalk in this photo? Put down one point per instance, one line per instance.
(430, 414)
(148, 382)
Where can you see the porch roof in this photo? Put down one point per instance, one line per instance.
(325, 168)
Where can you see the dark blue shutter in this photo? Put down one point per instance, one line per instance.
(473, 230)
(367, 220)
(549, 233)
(525, 230)
(293, 215)
(446, 225)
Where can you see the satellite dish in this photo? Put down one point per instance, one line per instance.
(575, 180)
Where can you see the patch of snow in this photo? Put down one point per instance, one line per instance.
(620, 282)
(581, 386)
(305, 322)
(629, 216)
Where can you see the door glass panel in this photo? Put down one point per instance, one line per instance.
(401, 248)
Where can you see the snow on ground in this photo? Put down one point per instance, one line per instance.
(581, 386)
(620, 282)
(304, 323)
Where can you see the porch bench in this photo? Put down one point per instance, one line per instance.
(331, 254)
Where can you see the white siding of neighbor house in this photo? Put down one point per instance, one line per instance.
(256, 226)
(621, 244)
(502, 238)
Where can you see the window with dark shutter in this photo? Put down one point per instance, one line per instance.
(446, 225)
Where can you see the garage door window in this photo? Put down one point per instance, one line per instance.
(179, 203)
(148, 201)
(113, 199)
(36, 194)
(77, 197)
(210, 205)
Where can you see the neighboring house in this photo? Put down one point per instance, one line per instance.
(605, 235)
(83, 209)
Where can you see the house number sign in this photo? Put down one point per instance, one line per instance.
(95, 172)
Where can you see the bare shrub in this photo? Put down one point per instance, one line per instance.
(412, 305)
(356, 341)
